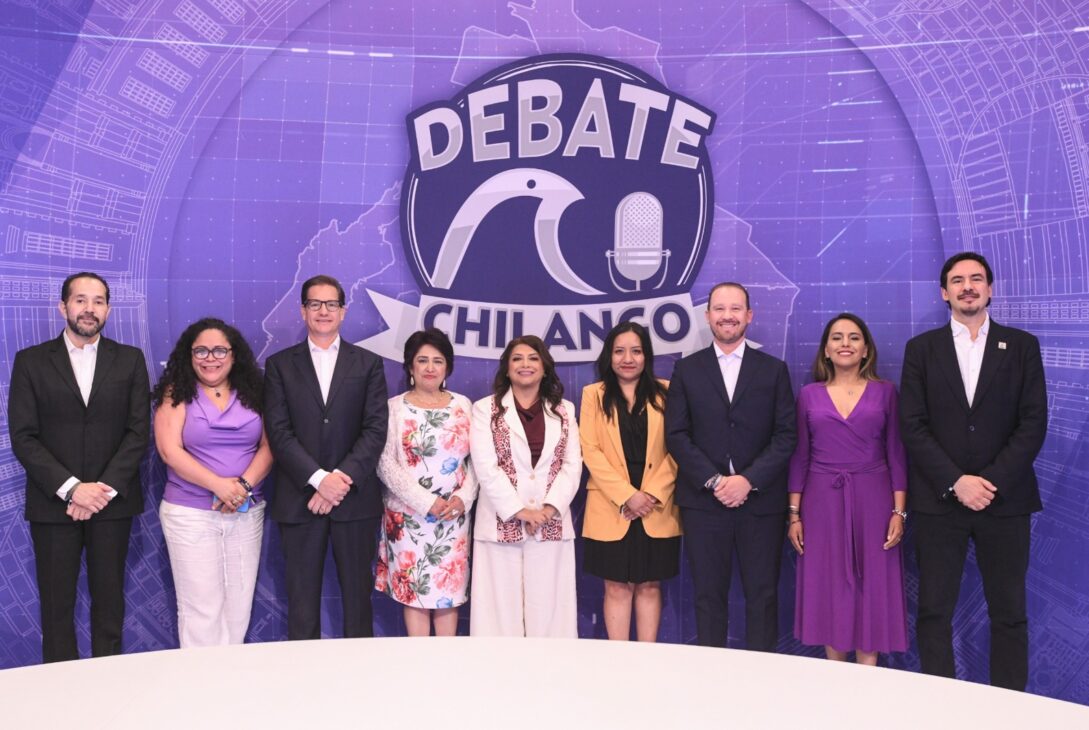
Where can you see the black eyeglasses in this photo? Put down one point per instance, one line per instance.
(217, 353)
(315, 304)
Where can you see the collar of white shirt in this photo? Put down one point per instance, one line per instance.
(72, 347)
(739, 351)
(961, 330)
(332, 348)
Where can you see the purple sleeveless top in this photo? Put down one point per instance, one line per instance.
(223, 442)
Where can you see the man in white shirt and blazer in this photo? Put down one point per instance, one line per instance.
(730, 426)
(326, 416)
(973, 413)
(79, 417)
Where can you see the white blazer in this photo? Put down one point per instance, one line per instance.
(498, 498)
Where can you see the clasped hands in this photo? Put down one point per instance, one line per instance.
(87, 499)
(447, 509)
(733, 490)
(974, 492)
(330, 492)
(535, 519)
(638, 505)
(230, 494)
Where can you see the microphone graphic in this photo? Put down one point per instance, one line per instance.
(637, 241)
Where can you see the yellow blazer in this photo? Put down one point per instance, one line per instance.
(610, 486)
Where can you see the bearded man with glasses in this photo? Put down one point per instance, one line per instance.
(326, 416)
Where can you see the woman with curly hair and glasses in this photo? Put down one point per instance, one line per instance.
(525, 450)
(209, 433)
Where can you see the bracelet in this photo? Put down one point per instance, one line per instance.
(903, 514)
(794, 522)
(794, 510)
(247, 485)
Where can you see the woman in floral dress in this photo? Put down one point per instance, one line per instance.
(423, 552)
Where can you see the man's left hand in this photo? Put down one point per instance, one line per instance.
(78, 513)
(732, 491)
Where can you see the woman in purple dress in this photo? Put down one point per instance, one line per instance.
(209, 434)
(847, 494)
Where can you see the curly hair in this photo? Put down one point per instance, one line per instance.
(179, 381)
(647, 390)
(550, 390)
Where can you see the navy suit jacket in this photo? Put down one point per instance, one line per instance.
(997, 436)
(347, 432)
(55, 436)
(705, 429)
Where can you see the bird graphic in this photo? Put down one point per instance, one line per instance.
(555, 194)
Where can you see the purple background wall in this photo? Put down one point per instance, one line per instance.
(208, 155)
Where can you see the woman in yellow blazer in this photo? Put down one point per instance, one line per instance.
(632, 527)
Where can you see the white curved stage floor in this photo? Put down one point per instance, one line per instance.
(501, 683)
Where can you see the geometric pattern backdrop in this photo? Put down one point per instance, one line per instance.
(206, 156)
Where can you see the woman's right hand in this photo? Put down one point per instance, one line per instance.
(639, 504)
(794, 532)
(437, 508)
(230, 494)
(534, 519)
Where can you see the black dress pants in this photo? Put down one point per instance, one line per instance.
(57, 551)
(711, 538)
(1002, 553)
(305, 545)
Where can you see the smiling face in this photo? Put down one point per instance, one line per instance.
(210, 371)
(525, 368)
(846, 345)
(728, 315)
(86, 310)
(628, 359)
(428, 369)
(321, 324)
(966, 289)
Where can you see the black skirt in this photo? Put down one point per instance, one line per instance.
(635, 558)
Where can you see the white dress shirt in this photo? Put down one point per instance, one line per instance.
(970, 354)
(83, 360)
(325, 361)
(730, 366)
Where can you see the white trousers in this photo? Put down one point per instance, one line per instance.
(526, 589)
(214, 558)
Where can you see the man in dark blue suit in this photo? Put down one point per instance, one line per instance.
(973, 410)
(325, 416)
(730, 426)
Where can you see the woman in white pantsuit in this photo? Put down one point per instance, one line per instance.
(525, 451)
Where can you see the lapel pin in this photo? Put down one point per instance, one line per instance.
(1001, 345)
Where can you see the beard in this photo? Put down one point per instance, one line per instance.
(731, 339)
(86, 328)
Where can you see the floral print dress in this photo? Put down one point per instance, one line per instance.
(422, 561)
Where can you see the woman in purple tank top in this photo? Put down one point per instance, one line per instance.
(209, 433)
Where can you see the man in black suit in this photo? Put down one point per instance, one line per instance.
(325, 416)
(973, 408)
(78, 412)
(730, 426)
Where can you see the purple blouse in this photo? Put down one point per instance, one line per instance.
(223, 442)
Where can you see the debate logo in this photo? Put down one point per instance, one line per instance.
(557, 196)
